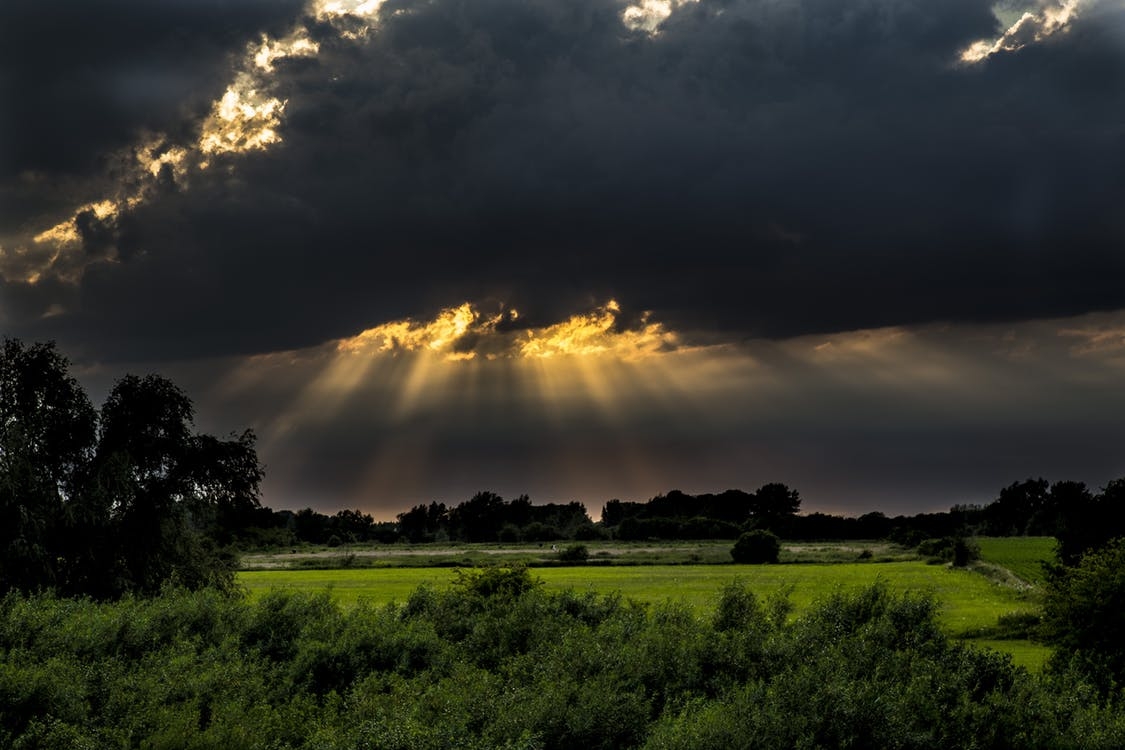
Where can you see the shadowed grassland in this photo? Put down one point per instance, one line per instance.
(969, 603)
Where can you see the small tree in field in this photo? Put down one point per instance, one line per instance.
(756, 547)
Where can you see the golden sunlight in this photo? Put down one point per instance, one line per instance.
(66, 232)
(246, 118)
(464, 332)
(434, 380)
(647, 15)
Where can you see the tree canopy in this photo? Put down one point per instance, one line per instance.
(119, 500)
(1084, 615)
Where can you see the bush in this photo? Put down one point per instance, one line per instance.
(574, 553)
(958, 550)
(756, 547)
(495, 582)
(964, 552)
(940, 548)
(1084, 616)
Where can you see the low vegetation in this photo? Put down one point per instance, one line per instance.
(496, 660)
(969, 604)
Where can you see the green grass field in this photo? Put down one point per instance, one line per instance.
(969, 601)
(1023, 555)
(616, 552)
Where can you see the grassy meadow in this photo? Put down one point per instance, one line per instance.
(616, 552)
(1022, 555)
(970, 601)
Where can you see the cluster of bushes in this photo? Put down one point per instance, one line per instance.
(497, 662)
(957, 550)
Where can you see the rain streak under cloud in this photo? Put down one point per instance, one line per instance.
(594, 249)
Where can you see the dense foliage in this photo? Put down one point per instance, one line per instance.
(125, 499)
(1084, 616)
(498, 662)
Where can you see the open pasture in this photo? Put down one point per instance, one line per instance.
(969, 602)
(1022, 555)
(537, 555)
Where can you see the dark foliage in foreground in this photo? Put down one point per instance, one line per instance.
(497, 662)
(1084, 616)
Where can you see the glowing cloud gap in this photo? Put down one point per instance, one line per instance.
(647, 15)
(462, 333)
(245, 119)
(1031, 28)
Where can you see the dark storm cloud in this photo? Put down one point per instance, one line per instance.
(759, 168)
(79, 79)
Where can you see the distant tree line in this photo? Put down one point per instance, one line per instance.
(1078, 517)
(485, 517)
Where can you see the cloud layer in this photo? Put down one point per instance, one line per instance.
(751, 168)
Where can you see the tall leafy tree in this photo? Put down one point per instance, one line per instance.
(172, 483)
(1084, 615)
(47, 429)
(1079, 522)
(122, 502)
(1022, 508)
(773, 502)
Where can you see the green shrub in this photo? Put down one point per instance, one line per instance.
(756, 547)
(495, 581)
(941, 548)
(576, 553)
(964, 552)
(497, 662)
(1084, 617)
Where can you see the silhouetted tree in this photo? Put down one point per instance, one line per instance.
(352, 525)
(310, 526)
(734, 506)
(422, 522)
(1079, 525)
(773, 502)
(119, 503)
(47, 432)
(479, 518)
(1020, 509)
(169, 483)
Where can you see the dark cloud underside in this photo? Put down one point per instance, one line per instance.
(79, 79)
(763, 169)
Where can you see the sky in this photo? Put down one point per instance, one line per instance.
(586, 249)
